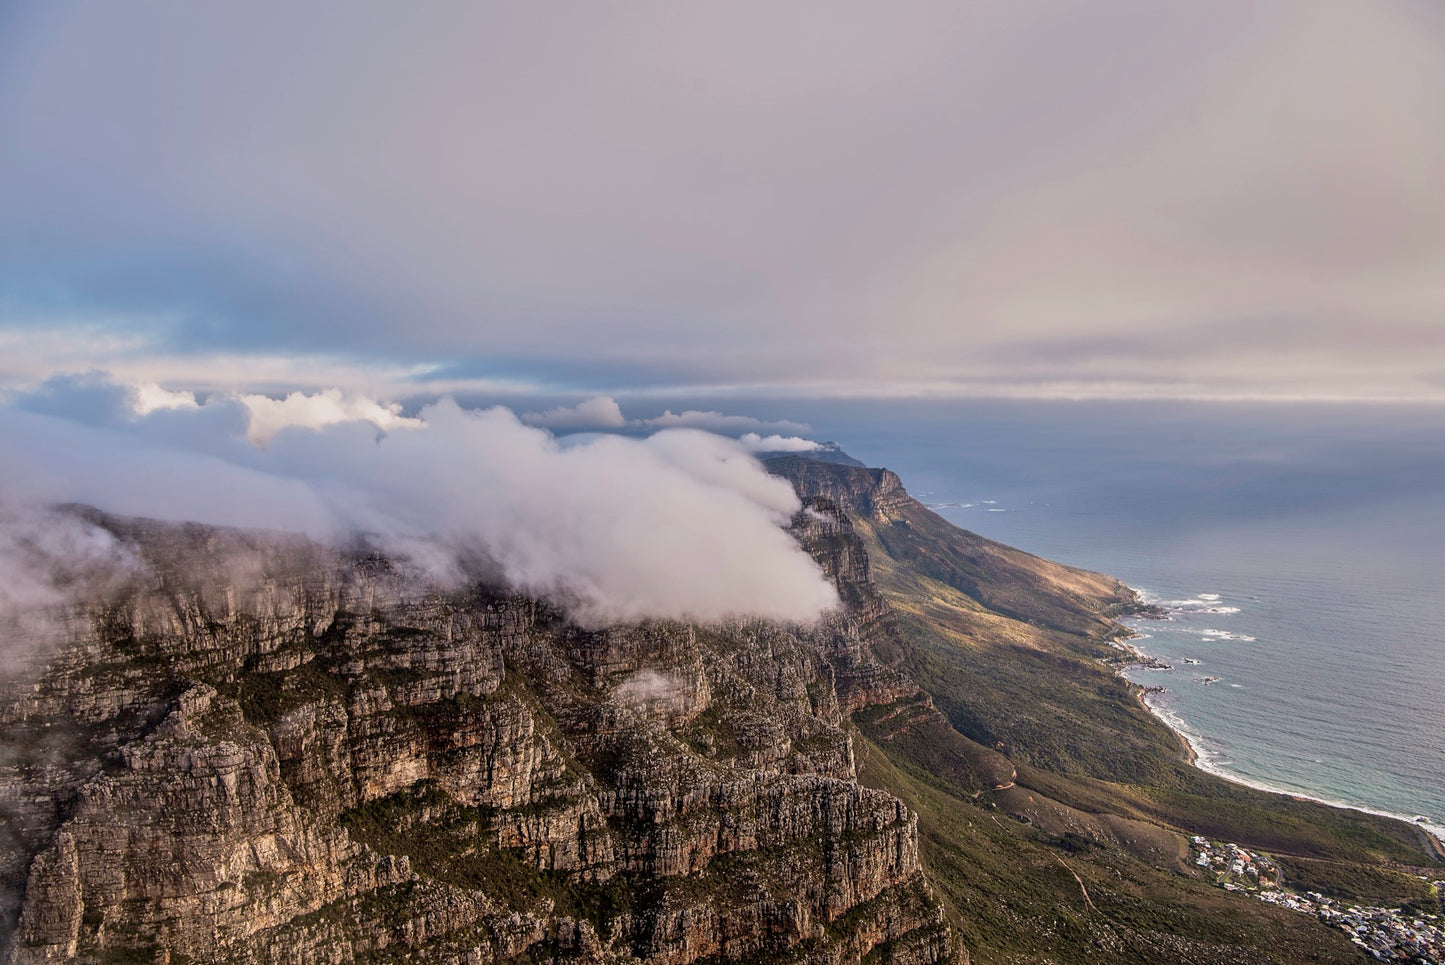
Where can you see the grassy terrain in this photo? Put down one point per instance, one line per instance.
(1013, 895)
(1054, 808)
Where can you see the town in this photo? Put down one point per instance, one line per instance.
(1387, 934)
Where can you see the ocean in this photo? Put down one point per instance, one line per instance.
(1299, 550)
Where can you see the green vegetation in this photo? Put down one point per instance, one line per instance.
(1012, 896)
(265, 698)
(1366, 884)
(1083, 858)
(455, 844)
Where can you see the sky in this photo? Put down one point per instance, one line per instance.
(1118, 199)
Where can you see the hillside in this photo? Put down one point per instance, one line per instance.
(1014, 651)
(260, 749)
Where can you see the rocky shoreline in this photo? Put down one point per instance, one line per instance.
(1132, 656)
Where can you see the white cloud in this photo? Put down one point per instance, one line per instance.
(724, 464)
(47, 557)
(648, 689)
(683, 524)
(149, 397)
(714, 421)
(146, 469)
(753, 442)
(616, 529)
(328, 407)
(130, 349)
(599, 412)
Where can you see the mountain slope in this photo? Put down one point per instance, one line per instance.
(261, 749)
(1097, 787)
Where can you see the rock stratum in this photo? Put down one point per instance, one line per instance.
(267, 751)
(259, 749)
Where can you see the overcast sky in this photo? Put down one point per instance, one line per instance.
(1113, 198)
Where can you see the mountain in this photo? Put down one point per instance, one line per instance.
(829, 452)
(259, 749)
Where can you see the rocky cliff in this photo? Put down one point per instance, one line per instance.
(1007, 581)
(252, 748)
(260, 749)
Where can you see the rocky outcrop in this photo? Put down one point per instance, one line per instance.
(192, 843)
(263, 750)
(1007, 581)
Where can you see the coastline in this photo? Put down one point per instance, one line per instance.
(1138, 658)
(1186, 747)
(1433, 834)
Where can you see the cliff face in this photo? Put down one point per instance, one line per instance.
(265, 751)
(262, 750)
(1007, 581)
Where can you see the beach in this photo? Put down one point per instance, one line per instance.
(1433, 835)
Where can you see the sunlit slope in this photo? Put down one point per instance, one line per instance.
(1006, 581)
(1015, 653)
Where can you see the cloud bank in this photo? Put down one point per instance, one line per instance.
(1000, 197)
(46, 559)
(753, 442)
(269, 416)
(714, 421)
(599, 412)
(683, 524)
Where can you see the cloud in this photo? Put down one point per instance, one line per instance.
(328, 407)
(683, 524)
(46, 559)
(133, 351)
(150, 397)
(645, 686)
(677, 525)
(714, 421)
(90, 398)
(651, 691)
(148, 469)
(829, 199)
(723, 464)
(599, 412)
(753, 442)
(98, 399)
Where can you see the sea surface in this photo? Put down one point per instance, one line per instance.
(1299, 549)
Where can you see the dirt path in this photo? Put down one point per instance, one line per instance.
(1082, 890)
(1087, 900)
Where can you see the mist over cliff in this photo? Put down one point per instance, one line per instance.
(680, 524)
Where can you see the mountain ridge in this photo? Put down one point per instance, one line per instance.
(310, 756)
